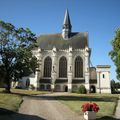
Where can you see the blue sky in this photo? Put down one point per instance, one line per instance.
(98, 17)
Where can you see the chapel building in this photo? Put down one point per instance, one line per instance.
(64, 63)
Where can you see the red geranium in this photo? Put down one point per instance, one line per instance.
(90, 107)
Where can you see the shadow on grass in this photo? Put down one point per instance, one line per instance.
(75, 98)
(107, 118)
(17, 93)
(10, 115)
(87, 98)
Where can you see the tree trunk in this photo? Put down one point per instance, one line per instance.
(8, 84)
(8, 88)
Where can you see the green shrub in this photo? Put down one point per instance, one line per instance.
(82, 89)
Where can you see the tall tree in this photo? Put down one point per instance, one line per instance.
(16, 59)
(115, 52)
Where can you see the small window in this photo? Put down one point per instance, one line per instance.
(103, 75)
(27, 82)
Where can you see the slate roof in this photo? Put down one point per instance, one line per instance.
(76, 40)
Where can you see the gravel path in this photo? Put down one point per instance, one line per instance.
(47, 108)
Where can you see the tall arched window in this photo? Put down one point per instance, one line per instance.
(63, 67)
(47, 67)
(78, 67)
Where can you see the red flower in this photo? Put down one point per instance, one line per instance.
(90, 107)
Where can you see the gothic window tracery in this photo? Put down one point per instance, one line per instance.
(78, 67)
(47, 67)
(63, 67)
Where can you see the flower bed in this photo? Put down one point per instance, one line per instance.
(90, 107)
(90, 110)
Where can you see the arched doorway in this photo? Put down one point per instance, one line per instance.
(66, 88)
(27, 83)
(92, 89)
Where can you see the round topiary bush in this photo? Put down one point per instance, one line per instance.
(82, 89)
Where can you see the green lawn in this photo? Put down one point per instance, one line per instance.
(25, 92)
(106, 102)
(28, 92)
(10, 101)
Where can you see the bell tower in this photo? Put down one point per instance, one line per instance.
(66, 29)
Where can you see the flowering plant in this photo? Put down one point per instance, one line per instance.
(90, 107)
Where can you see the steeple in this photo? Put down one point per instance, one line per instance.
(66, 30)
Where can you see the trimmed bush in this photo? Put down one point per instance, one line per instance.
(82, 89)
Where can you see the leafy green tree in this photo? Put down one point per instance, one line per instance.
(16, 59)
(115, 52)
(113, 86)
(118, 85)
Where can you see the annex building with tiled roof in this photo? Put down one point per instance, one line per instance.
(64, 63)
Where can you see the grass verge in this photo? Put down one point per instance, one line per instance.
(10, 101)
(106, 102)
(13, 100)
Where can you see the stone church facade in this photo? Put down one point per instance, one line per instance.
(64, 63)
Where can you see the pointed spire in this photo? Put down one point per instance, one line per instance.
(66, 30)
(67, 22)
